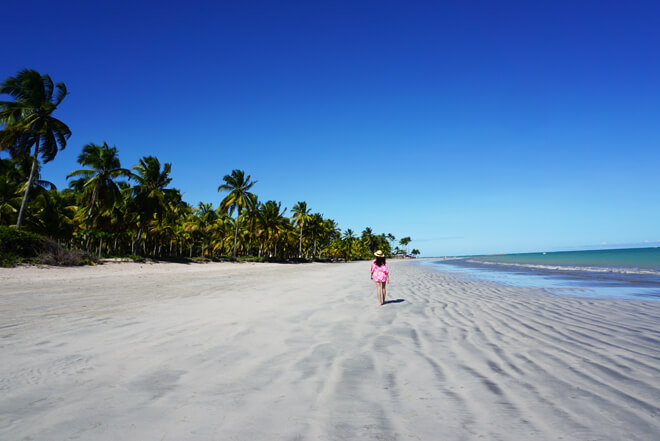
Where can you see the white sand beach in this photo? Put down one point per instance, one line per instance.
(303, 352)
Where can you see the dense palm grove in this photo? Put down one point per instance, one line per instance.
(114, 211)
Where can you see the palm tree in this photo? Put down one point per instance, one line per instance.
(404, 242)
(53, 215)
(152, 181)
(330, 233)
(11, 189)
(151, 195)
(316, 229)
(271, 224)
(119, 220)
(176, 212)
(251, 216)
(368, 238)
(239, 196)
(390, 238)
(19, 170)
(98, 180)
(149, 175)
(348, 237)
(195, 229)
(10, 198)
(28, 121)
(221, 232)
(301, 214)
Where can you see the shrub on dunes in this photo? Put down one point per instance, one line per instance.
(18, 246)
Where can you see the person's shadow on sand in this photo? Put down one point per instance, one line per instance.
(393, 301)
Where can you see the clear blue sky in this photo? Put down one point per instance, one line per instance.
(471, 126)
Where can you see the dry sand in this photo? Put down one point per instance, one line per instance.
(303, 352)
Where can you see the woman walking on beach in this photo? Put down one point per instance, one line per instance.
(380, 274)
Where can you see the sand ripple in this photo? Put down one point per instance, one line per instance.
(303, 352)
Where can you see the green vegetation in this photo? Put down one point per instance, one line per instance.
(22, 246)
(238, 198)
(28, 121)
(16, 245)
(112, 211)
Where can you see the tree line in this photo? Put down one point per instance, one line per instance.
(114, 211)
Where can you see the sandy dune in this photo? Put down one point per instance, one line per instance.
(303, 352)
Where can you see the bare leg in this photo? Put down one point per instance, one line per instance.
(378, 291)
(384, 284)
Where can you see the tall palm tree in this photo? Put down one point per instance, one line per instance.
(98, 180)
(316, 229)
(19, 170)
(152, 197)
(205, 218)
(194, 230)
(348, 238)
(239, 196)
(301, 215)
(404, 243)
(368, 238)
(271, 224)
(119, 219)
(221, 232)
(150, 177)
(151, 184)
(29, 122)
(390, 238)
(251, 215)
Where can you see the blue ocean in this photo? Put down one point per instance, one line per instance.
(620, 273)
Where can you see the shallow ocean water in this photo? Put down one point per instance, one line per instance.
(557, 280)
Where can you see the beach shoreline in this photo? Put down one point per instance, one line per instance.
(266, 351)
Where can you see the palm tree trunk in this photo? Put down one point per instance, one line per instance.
(89, 217)
(137, 240)
(100, 246)
(235, 236)
(29, 184)
(300, 249)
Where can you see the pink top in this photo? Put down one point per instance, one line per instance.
(379, 272)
